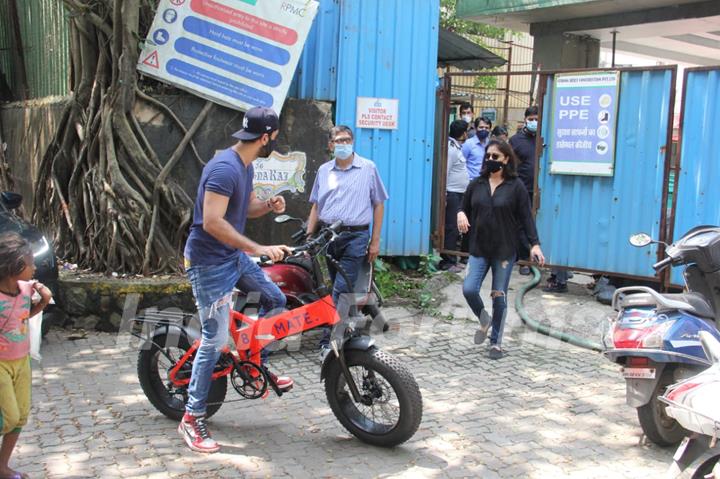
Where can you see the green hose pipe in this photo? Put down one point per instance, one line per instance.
(541, 328)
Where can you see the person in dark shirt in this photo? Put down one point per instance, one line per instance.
(523, 143)
(496, 205)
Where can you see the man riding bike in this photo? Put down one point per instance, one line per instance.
(215, 260)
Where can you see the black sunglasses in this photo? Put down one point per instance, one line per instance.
(494, 156)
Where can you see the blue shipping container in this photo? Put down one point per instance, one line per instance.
(585, 221)
(698, 195)
(388, 49)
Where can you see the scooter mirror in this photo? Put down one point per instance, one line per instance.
(640, 240)
(282, 219)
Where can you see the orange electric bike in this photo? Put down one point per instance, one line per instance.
(370, 392)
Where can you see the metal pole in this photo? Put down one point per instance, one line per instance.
(614, 34)
(507, 84)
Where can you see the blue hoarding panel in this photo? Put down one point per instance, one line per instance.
(388, 49)
(585, 221)
(316, 75)
(698, 194)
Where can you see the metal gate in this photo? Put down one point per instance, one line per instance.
(503, 98)
(697, 195)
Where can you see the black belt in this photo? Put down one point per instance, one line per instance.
(342, 229)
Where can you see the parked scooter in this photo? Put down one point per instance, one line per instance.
(694, 404)
(655, 336)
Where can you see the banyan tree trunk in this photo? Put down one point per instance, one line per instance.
(101, 187)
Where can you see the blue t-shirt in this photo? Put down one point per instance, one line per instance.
(225, 175)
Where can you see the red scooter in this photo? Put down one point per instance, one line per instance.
(298, 279)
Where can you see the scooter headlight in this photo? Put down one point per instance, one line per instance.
(654, 338)
(40, 247)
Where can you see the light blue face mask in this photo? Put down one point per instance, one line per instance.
(531, 125)
(343, 152)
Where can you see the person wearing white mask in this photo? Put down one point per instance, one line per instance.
(467, 115)
(349, 189)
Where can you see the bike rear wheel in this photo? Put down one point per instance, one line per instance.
(155, 361)
(393, 408)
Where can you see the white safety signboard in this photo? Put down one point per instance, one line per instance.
(380, 113)
(238, 53)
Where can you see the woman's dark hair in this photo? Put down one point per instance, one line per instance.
(510, 170)
(13, 249)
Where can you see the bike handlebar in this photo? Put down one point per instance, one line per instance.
(310, 244)
(660, 265)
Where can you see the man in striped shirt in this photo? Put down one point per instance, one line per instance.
(348, 188)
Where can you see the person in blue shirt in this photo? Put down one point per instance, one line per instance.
(348, 188)
(474, 148)
(215, 259)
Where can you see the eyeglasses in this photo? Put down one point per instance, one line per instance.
(346, 140)
(494, 156)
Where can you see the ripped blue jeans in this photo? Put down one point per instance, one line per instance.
(212, 287)
(478, 268)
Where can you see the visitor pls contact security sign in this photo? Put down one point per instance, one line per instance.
(584, 119)
(380, 113)
(238, 53)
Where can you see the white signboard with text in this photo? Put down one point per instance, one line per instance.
(238, 53)
(380, 113)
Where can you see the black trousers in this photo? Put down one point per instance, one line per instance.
(453, 202)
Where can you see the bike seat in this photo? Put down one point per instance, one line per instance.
(699, 306)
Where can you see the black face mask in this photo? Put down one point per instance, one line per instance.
(494, 165)
(483, 134)
(268, 149)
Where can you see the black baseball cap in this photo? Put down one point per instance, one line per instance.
(258, 121)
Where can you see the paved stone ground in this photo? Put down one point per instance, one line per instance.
(545, 410)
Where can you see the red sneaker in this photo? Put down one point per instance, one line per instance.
(284, 383)
(195, 432)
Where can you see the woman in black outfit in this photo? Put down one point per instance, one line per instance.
(496, 204)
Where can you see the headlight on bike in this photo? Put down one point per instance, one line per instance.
(656, 335)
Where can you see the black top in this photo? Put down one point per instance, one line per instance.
(495, 220)
(523, 144)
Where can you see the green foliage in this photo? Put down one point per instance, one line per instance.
(487, 81)
(449, 21)
(418, 288)
(428, 264)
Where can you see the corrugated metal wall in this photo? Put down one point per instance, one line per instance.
(7, 66)
(316, 75)
(388, 49)
(43, 27)
(698, 194)
(585, 221)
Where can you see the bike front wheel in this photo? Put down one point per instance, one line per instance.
(391, 408)
(155, 361)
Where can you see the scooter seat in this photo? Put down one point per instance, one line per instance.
(699, 305)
